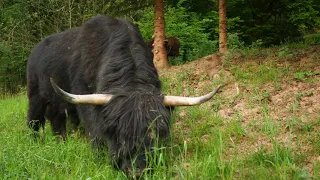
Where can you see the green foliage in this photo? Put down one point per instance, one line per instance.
(125, 8)
(23, 23)
(303, 15)
(234, 41)
(188, 156)
(274, 21)
(188, 27)
(258, 74)
(14, 44)
(312, 39)
(303, 76)
(279, 156)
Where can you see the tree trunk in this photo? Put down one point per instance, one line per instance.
(222, 27)
(160, 58)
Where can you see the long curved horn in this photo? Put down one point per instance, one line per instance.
(93, 99)
(189, 101)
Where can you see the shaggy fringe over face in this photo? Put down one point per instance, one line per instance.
(135, 119)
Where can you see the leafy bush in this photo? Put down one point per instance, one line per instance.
(234, 41)
(188, 27)
(277, 22)
(312, 39)
(23, 23)
(303, 76)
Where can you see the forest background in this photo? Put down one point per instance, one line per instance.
(262, 23)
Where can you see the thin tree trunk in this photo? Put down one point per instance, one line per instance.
(160, 58)
(222, 27)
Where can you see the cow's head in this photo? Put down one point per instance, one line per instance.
(132, 121)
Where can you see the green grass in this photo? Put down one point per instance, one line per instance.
(202, 145)
(185, 157)
(23, 158)
(259, 74)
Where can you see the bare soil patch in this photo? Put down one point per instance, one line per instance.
(293, 106)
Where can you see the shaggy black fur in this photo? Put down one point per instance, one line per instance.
(105, 55)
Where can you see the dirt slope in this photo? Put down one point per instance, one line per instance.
(290, 103)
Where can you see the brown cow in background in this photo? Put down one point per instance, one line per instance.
(172, 45)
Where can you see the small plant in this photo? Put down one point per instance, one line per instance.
(283, 52)
(270, 127)
(316, 142)
(293, 123)
(312, 39)
(216, 105)
(263, 96)
(304, 76)
(299, 95)
(316, 170)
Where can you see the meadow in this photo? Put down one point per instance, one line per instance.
(264, 124)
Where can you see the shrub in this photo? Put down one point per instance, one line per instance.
(188, 27)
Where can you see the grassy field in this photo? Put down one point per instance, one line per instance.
(263, 125)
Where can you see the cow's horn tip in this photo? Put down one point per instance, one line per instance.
(52, 81)
(218, 88)
(54, 85)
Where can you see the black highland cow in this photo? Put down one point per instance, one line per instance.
(115, 88)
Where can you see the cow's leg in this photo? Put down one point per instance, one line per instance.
(113, 153)
(74, 119)
(57, 117)
(58, 125)
(35, 117)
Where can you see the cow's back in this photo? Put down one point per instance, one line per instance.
(102, 56)
(51, 58)
(111, 54)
